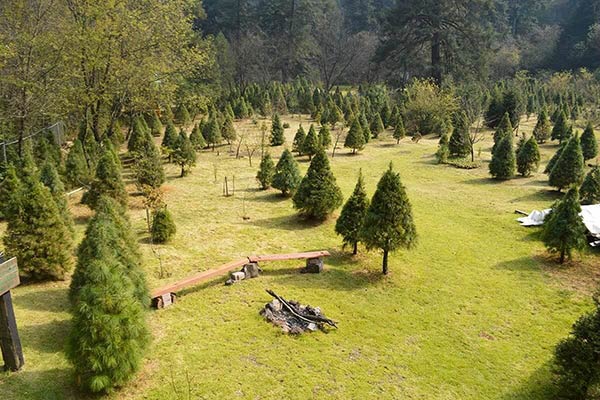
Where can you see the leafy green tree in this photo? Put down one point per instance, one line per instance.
(389, 223)
(107, 182)
(318, 194)
(184, 155)
(36, 232)
(569, 168)
(563, 230)
(311, 144)
(298, 142)
(50, 178)
(266, 172)
(325, 136)
(589, 144)
(196, 138)
(76, 169)
(350, 222)
(399, 131)
(355, 138)
(163, 227)
(542, 129)
(287, 174)
(561, 128)
(376, 125)
(528, 157)
(590, 188)
(228, 131)
(459, 145)
(277, 132)
(503, 164)
(156, 126)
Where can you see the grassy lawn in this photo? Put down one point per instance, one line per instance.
(474, 312)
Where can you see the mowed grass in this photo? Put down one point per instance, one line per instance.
(474, 312)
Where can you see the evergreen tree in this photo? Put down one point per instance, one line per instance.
(163, 227)
(183, 115)
(355, 139)
(389, 223)
(528, 157)
(503, 130)
(443, 151)
(459, 145)
(399, 131)
(184, 154)
(364, 125)
(228, 130)
(563, 230)
(36, 233)
(107, 182)
(137, 137)
(568, 170)
(76, 170)
(311, 143)
(156, 126)
(325, 136)
(50, 178)
(503, 164)
(350, 222)
(318, 194)
(213, 132)
(298, 142)
(287, 174)
(169, 142)
(561, 128)
(148, 166)
(542, 129)
(266, 172)
(277, 132)
(589, 144)
(555, 158)
(590, 188)
(376, 125)
(196, 138)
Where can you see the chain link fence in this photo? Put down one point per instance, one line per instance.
(58, 131)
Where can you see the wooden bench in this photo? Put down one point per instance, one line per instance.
(167, 295)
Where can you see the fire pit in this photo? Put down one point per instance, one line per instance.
(293, 317)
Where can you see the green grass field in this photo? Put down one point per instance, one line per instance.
(474, 312)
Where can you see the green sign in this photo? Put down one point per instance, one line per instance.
(9, 275)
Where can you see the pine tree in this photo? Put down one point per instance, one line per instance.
(163, 227)
(364, 125)
(311, 144)
(503, 164)
(376, 125)
(277, 132)
(459, 145)
(213, 132)
(589, 144)
(542, 129)
(298, 142)
(169, 141)
(107, 182)
(183, 115)
(563, 230)
(561, 128)
(36, 233)
(590, 188)
(318, 194)
(528, 157)
(50, 178)
(156, 126)
(355, 138)
(503, 130)
(399, 131)
(389, 223)
(287, 174)
(568, 170)
(350, 222)
(109, 333)
(148, 167)
(184, 154)
(325, 136)
(76, 170)
(266, 172)
(228, 130)
(443, 151)
(555, 158)
(137, 137)
(196, 138)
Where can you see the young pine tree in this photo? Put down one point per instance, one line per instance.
(213, 132)
(590, 188)
(459, 144)
(350, 222)
(266, 172)
(318, 194)
(503, 164)
(503, 130)
(107, 182)
(298, 142)
(277, 132)
(163, 228)
(389, 223)
(76, 169)
(183, 115)
(287, 174)
(148, 167)
(50, 178)
(376, 125)
(184, 154)
(364, 126)
(311, 144)
(542, 129)
(325, 136)
(399, 131)
(563, 230)
(169, 141)
(156, 126)
(528, 157)
(196, 138)
(443, 151)
(589, 144)
(355, 138)
(561, 128)
(228, 131)
(569, 169)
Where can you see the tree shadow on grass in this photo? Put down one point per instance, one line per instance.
(49, 384)
(266, 196)
(287, 222)
(538, 385)
(488, 181)
(49, 337)
(332, 279)
(540, 195)
(50, 300)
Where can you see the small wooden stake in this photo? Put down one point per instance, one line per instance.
(12, 353)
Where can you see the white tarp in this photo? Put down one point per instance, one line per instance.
(589, 214)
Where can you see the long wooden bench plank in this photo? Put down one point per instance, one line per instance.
(291, 256)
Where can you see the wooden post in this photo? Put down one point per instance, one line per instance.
(12, 353)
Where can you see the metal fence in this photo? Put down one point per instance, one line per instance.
(57, 129)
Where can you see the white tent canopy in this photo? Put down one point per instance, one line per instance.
(589, 214)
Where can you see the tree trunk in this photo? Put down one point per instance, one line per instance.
(385, 262)
(562, 256)
(355, 250)
(436, 58)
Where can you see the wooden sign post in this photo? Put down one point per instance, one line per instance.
(12, 353)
